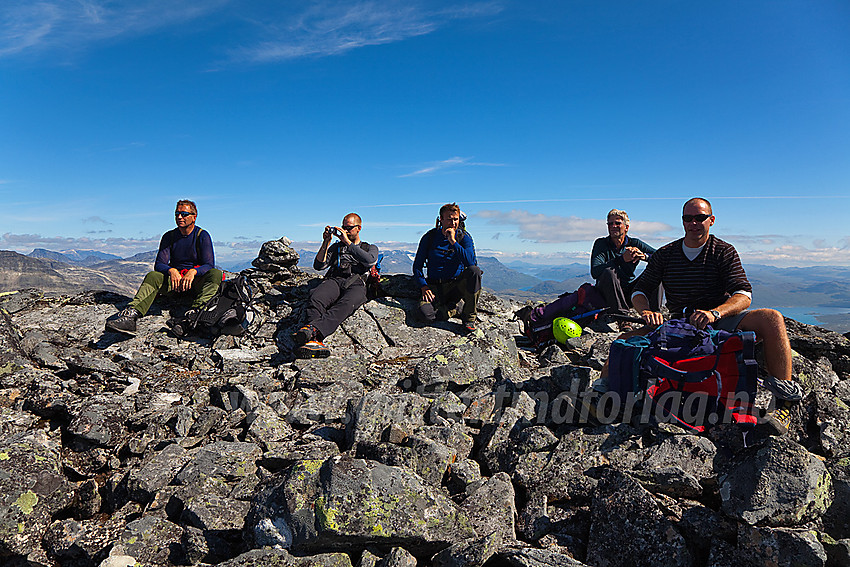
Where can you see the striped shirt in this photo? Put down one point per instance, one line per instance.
(702, 283)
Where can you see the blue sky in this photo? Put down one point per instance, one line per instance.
(536, 117)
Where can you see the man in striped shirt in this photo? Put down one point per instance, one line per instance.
(704, 280)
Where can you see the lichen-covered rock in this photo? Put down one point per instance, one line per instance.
(269, 557)
(372, 414)
(837, 517)
(471, 553)
(492, 508)
(33, 488)
(157, 472)
(563, 474)
(352, 501)
(629, 528)
(832, 418)
(469, 360)
(776, 484)
(782, 547)
(100, 419)
(398, 557)
(530, 557)
(223, 460)
(151, 541)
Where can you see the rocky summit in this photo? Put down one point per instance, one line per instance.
(410, 445)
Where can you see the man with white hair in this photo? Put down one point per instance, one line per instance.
(613, 262)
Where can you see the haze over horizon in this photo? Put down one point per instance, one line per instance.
(536, 118)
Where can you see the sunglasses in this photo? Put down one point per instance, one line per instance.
(183, 214)
(615, 223)
(698, 218)
(349, 228)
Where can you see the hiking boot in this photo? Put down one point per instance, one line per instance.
(313, 349)
(304, 335)
(779, 420)
(469, 327)
(125, 322)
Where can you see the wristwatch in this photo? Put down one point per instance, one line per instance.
(716, 314)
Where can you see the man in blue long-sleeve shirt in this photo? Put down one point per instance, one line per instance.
(185, 262)
(453, 272)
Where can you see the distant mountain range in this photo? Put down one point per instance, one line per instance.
(818, 295)
(81, 257)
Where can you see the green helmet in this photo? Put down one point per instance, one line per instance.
(564, 328)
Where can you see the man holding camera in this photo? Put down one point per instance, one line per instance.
(344, 288)
(453, 272)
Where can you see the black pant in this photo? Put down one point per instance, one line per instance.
(619, 296)
(466, 287)
(334, 300)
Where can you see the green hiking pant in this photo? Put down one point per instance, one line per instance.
(203, 288)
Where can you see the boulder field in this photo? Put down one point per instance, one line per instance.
(410, 445)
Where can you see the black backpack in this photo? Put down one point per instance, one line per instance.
(224, 314)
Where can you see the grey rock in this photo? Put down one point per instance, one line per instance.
(157, 472)
(837, 517)
(398, 557)
(227, 461)
(776, 484)
(780, 546)
(832, 418)
(462, 474)
(100, 419)
(471, 553)
(530, 557)
(468, 360)
(281, 558)
(327, 404)
(151, 541)
(564, 474)
(321, 373)
(323, 508)
(491, 509)
(629, 528)
(215, 513)
(376, 411)
(694, 455)
(34, 489)
(266, 427)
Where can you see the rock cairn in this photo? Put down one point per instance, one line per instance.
(410, 446)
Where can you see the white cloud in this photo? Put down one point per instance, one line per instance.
(30, 25)
(331, 28)
(801, 256)
(542, 228)
(449, 164)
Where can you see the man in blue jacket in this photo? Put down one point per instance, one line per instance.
(185, 263)
(453, 272)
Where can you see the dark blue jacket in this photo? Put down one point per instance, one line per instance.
(444, 261)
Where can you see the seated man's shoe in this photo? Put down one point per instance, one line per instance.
(304, 335)
(125, 322)
(786, 396)
(313, 349)
(778, 422)
(469, 327)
